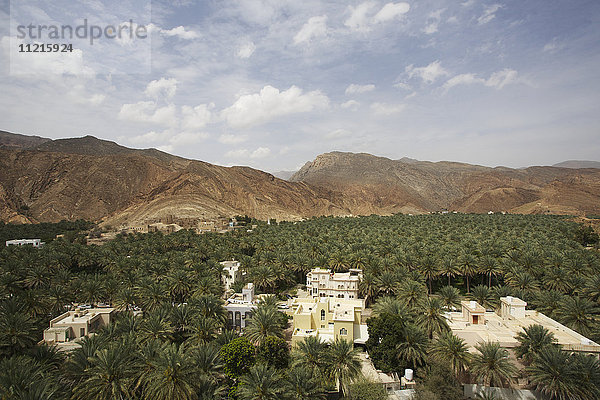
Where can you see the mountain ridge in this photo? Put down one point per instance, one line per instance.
(49, 180)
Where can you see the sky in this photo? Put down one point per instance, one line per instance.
(273, 83)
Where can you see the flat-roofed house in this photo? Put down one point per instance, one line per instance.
(73, 325)
(232, 273)
(322, 282)
(37, 243)
(328, 318)
(473, 324)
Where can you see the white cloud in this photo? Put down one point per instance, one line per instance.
(361, 21)
(353, 104)
(496, 80)
(391, 11)
(246, 50)
(269, 103)
(180, 32)
(167, 140)
(260, 152)
(227, 138)
(337, 134)
(161, 87)
(402, 85)
(387, 109)
(147, 111)
(315, 27)
(489, 14)
(462, 79)
(553, 46)
(195, 118)
(354, 88)
(187, 138)
(502, 78)
(428, 73)
(433, 22)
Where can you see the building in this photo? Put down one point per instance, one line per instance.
(240, 307)
(37, 243)
(73, 325)
(321, 282)
(328, 318)
(474, 324)
(232, 273)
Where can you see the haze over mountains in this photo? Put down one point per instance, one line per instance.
(50, 180)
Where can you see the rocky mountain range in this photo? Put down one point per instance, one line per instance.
(50, 180)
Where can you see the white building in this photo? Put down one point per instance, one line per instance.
(240, 307)
(25, 242)
(321, 282)
(474, 324)
(232, 273)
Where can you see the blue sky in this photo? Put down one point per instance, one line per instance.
(273, 83)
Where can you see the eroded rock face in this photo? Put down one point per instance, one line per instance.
(50, 180)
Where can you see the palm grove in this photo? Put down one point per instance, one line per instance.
(415, 268)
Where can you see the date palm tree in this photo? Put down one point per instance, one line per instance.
(311, 354)
(491, 364)
(450, 297)
(392, 306)
(552, 375)
(579, 314)
(262, 382)
(264, 322)
(431, 317)
(411, 292)
(173, 376)
(482, 295)
(343, 364)
(532, 340)
(451, 350)
(303, 385)
(413, 348)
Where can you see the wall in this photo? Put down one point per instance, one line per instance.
(506, 394)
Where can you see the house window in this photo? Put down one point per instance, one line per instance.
(81, 331)
(322, 315)
(343, 331)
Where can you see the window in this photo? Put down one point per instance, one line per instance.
(322, 315)
(81, 331)
(343, 331)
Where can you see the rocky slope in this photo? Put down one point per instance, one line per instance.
(50, 180)
(378, 184)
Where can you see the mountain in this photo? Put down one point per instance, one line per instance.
(370, 184)
(49, 180)
(578, 164)
(285, 175)
(100, 180)
(17, 141)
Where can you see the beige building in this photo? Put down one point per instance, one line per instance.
(328, 318)
(73, 325)
(322, 282)
(473, 324)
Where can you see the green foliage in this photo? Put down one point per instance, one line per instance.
(46, 231)
(437, 382)
(237, 357)
(586, 235)
(274, 351)
(367, 390)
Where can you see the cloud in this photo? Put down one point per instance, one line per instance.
(391, 11)
(496, 80)
(462, 79)
(167, 140)
(353, 104)
(337, 134)
(180, 32)
(489, 14)
(147, 111)
(402, 85)
(269, 103)
(161, 87)
(361, 21)
(502, 78)
(387, 109)
(315, 27)
(429, 73)
(553, 46)
(246, 50)
(260, 152)
(195, 118)
(354, 88)
(232, 139)
(433, 22)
